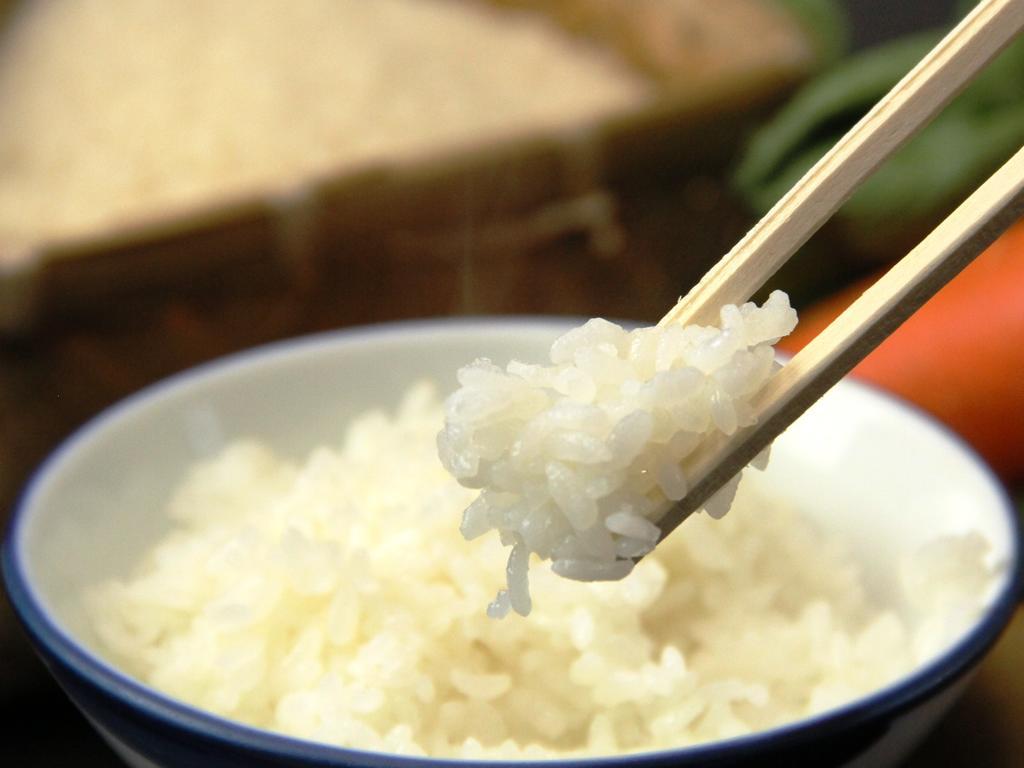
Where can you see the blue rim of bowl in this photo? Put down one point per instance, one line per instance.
(890, 700)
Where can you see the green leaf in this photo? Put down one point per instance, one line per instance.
(968, 140)
(952, 154)
(822, 111)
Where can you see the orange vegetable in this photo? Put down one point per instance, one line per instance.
(960, 357)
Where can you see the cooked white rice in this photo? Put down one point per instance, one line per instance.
(336, 601)
(579, 460)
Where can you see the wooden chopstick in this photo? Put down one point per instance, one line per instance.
(901, 113)
(965, 233)
(951, 246)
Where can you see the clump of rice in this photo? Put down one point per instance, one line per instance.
(334, 600)
(579, 460)
(115, 112)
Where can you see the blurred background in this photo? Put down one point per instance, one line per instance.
(182, 180)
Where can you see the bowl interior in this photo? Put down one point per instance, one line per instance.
(859, 463)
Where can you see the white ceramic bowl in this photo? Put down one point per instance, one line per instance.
(860, 463)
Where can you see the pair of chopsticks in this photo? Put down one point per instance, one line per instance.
(971, 228)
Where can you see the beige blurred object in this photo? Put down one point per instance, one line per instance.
(119, 110)
(710, 66)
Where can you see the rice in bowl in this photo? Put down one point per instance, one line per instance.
(336, 601)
